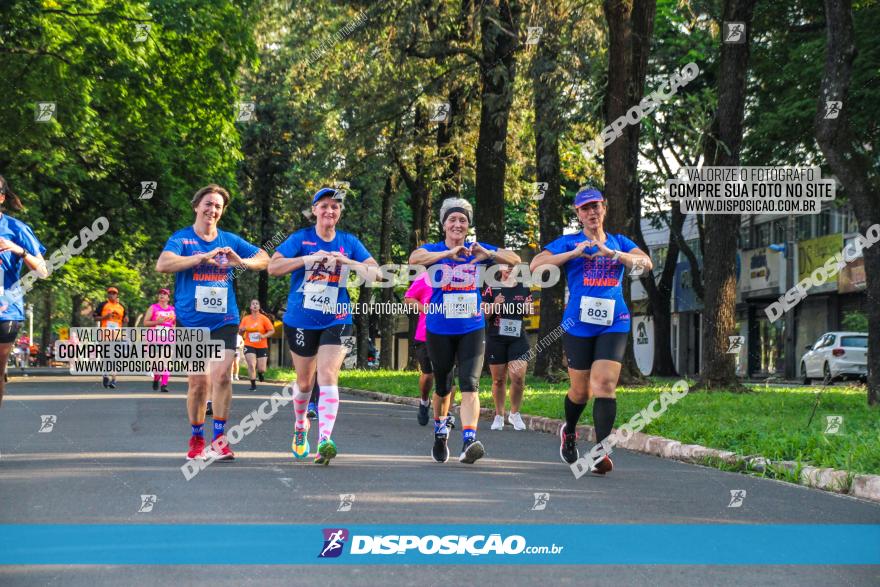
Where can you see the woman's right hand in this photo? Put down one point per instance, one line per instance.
(458, 253)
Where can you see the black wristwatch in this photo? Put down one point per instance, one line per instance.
(23, 253)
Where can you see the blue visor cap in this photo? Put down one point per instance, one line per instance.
(324, 192)
(586, 196)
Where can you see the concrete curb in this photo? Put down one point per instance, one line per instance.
(861, 486)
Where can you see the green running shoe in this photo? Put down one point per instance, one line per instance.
(326, 451)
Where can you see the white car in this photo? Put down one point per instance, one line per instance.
(836, 355)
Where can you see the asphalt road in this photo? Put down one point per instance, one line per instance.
(109, 447)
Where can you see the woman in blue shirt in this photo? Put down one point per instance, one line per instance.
(204, 259)
(18, 246)
(596, 320)
(456, 329)
(318, 316)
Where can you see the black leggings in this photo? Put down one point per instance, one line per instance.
(465, 350)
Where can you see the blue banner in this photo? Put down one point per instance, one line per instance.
(288, 544)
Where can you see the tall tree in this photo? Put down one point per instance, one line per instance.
(722, 148)
(630, 26)
(851, 160)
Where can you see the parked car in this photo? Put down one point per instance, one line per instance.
(836, 355)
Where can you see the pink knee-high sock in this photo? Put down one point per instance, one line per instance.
(327, 408)
(300, 403)
(165, 377)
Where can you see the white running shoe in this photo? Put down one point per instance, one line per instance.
(498, 423)
(516, 420)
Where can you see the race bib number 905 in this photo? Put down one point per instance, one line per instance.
(211, 299)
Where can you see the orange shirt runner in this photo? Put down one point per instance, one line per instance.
(253, 327)
(112, 314)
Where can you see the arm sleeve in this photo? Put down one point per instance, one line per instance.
(557, 246)
(291, 247)
(358, 251)
(174, 245)
(29, 241)
(244, 249)
(626, 245)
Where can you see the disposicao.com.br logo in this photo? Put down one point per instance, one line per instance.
(430, 544)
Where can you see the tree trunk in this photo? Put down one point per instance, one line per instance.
(552, 208)
(850, 164)
(76, 302)
(387, 320)
(362, 326)
(500, 28)
(630, 26)
(46, 335)
(719, 268)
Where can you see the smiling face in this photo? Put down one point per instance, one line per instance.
(456, 226)
(209, 209)
(327, 212)
(592, 215)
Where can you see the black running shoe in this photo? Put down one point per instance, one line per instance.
(112, 385)
(105, 381)
(252, 388)
(155, 384)
(568, 446)
(471, 451)
(423, 415)
(209, 411)
(164, 389)
(440, 452)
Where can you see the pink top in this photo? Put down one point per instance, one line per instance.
(165, 316)
(420, 290)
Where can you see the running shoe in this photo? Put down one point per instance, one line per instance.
(220, 450)
(209, 411)
(326, 451)
(471, 451)
(568, 446)
(105, 381)
(498, 423)
(440, 452)
(164, 389)
(112, 385)
(603, 466)
(423, 415)
(300, 444)
(450, 421)
(312, 414)
(252, 388)
(516, 421)
(196, 447)
(155, 384)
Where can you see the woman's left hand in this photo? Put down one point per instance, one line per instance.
(340, 258)
(603, 250)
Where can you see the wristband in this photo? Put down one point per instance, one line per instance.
(23, 254)
(615, 256)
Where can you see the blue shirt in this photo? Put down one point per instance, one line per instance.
(214, 279)
(12, 306)
(321, 280)
(599, 277)
(459, 278)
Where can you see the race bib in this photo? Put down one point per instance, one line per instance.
(459, 305)
(211, 299)
(321, 297)
(508, 327)
(254, 337)
(112, 325)
(597, 311)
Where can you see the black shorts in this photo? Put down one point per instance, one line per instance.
(502, 350)
(421, 350)
(305, 341)
(228, 335)
(582, 351)
(261, 353)
(9, 330)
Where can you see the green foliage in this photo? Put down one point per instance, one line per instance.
(855, 321)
